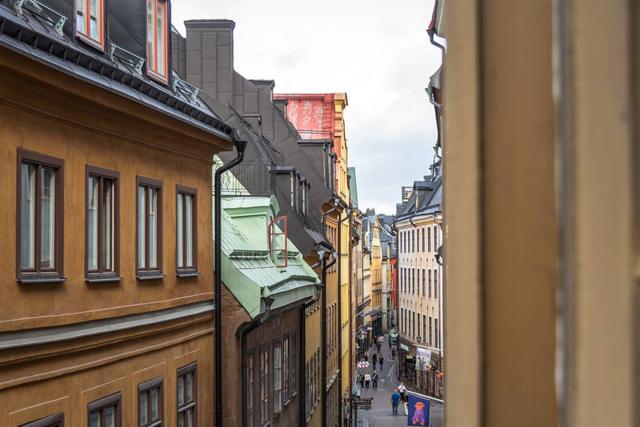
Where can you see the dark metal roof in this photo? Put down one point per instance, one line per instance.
(35, 38)
(426, 199)
(271, 136)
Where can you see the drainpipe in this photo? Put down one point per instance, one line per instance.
(240, 147)
(323, 323)
(348, 216)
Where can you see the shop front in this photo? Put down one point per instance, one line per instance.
(420, 369)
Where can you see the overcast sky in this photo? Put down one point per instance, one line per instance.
(377, 51)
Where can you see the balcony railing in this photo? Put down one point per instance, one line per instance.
(249, 178)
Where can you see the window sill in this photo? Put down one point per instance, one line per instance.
(149, 275)
(104, 278)
(90, 41)
(187, 273)
(41, 278)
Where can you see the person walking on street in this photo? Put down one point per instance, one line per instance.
(374, 359)
(403, 391)
(378, 346)
(381, 360)
(395, 400)
(374, 379)
(367, 379)
(361, 380)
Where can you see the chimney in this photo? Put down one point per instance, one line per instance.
(210, 57)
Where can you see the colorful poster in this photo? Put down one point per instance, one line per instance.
(418, 411)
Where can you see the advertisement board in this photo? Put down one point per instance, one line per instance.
(418, 411)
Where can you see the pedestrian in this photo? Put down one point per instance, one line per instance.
(374, 379)
(395, 400)
(366, 356)
(378, 346)
(393, 353)
(403, 391)
(374, 359)
(367, 379)
(361, 380)
(381, 360)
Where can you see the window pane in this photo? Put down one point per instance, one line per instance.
(80, 14)
(110, 416)
(189, 387)
(277, 378)
(106, 252)
(153, 228)
(27, 215)
(155, 404)
(189, 230)
(142, 233)
(48, 218)
(180, 390)
(180, 237)
(92, 224)
(144, 408)
(190, 417)
(250, 382)
(160, 66)
(150, 35)
(94, 19)
(181, 417)
(94, 419)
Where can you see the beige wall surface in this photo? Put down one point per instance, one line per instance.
(537, 288)
(501, 246)
(422, 261)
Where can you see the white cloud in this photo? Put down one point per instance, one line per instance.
(375, 50)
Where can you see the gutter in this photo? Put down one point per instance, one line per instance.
(240, 147)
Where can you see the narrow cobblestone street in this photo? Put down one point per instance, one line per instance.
(381, 413)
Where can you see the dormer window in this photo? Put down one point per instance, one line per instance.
(90, 22)
(157, 66)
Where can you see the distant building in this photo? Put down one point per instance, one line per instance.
(373, 249)
(389, 258)
(276, 165)
(420, 310)
(319, 118)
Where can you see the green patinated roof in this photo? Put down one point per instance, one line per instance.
(353, 187)
(248, 270)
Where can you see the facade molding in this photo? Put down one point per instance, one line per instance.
(56, 334)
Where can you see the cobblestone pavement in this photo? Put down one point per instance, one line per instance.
(381, 414)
